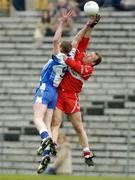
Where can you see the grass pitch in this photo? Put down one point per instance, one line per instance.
(41, 177)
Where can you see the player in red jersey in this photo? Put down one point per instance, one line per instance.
(71, 85)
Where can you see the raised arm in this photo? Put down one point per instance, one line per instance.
(86, 30)
(58, 33)
(80, 35)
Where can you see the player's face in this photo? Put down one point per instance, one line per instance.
(90, 58)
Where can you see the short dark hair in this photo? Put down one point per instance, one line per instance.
(66, 47)
(99, 59)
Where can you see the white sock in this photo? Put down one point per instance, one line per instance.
(86, 149)
(42, 130)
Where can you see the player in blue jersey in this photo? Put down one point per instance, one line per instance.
(46, 94)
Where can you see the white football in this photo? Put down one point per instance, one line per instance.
(91, 8)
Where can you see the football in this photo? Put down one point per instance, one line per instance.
(91, 8)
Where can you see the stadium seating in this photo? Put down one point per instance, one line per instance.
(107, 100)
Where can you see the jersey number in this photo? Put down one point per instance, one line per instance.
(59, 70)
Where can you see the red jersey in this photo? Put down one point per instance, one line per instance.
(74, 78)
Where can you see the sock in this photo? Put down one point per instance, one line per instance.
(86, 152)
(86, 149)
(44, 134)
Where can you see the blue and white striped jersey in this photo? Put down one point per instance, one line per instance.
(53, 72)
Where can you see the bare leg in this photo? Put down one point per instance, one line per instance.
(42, 120)
(77, 124)
(39, 114)
(56, 122)
(48, 120)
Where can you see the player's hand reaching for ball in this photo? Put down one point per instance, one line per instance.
(94, 20)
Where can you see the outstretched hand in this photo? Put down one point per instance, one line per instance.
(66, 15)
(94, 20)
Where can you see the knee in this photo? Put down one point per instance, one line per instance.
(79, 129)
